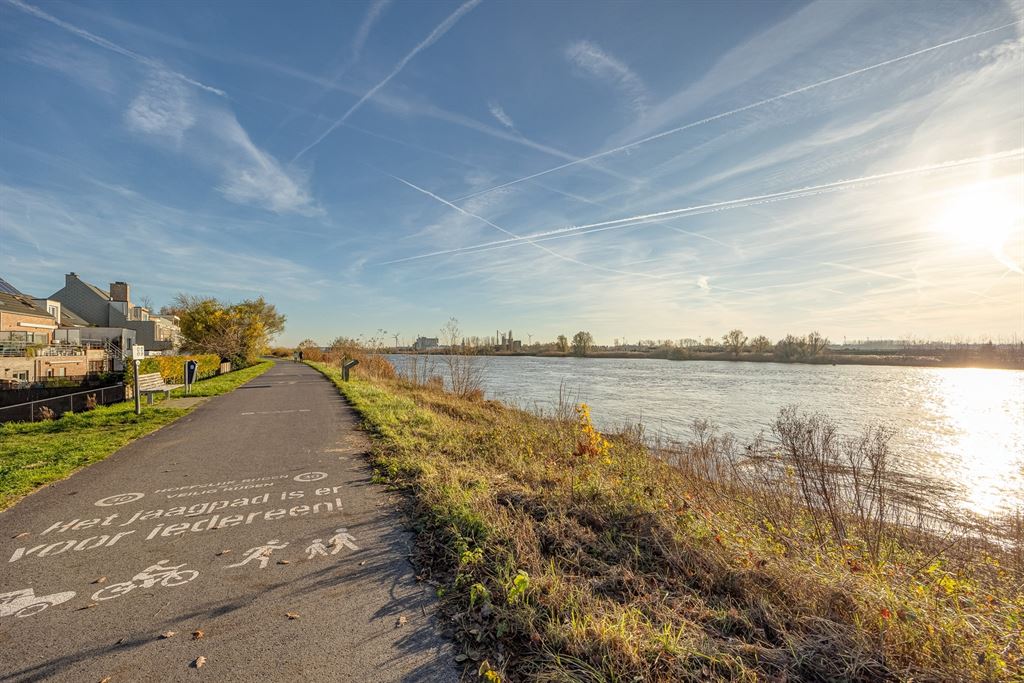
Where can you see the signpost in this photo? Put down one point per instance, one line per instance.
(191, 374)
(138, 353)
(346, 366)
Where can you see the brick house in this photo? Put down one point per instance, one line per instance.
(27, 349)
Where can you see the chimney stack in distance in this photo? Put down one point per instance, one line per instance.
(119, 291)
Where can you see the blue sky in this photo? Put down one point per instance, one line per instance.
(850, 167)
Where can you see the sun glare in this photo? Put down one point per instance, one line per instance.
(984, 215)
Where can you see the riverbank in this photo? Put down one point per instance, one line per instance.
(34, 454)
(561, 553)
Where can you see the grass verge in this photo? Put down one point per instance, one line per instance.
(33, 454)
(561, 554)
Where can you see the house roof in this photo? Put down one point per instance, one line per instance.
(69, 318)
(7, 288)
(96, 290)
(20, 304)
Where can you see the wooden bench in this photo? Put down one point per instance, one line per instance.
(152, 383)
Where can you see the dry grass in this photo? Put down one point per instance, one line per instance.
(562, 554)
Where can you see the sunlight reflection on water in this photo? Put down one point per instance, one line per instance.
(960, 425)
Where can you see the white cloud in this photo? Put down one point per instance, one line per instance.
(434, 36)
(499, 113)
(82, 66)
(252, 176)
(373, 14)
(164, 107)
(209, 133)
(703, 283)
(606, 68)
(108, 45)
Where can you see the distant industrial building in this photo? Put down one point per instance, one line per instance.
(424, 343)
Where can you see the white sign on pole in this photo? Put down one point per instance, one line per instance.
(138, 351)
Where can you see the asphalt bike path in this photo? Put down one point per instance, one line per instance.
(244, 541)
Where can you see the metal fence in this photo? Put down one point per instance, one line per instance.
(48, 408)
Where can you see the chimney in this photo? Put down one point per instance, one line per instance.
(69, 278)
(119, 292)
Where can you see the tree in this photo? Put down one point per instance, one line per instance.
(816, 344)
(760, 344)
(581, 343)
(562, 344)
(239, 333)
(465, 375)
(308, 344)
(734, 341)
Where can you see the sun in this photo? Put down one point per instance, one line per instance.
(984, 215)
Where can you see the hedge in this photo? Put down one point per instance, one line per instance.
(172, 368)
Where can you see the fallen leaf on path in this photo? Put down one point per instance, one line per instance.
(89, 606)
(292, 615)
(200, 660)
(224, 552)
(197, 634)
(402, 620)
(23, 534)
(106, 680)
(284, 561)
(102, 579)
(168, 634)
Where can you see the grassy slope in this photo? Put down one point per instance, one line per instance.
(558, 559)
(35, 454)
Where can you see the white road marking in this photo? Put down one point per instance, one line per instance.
(260, 553)
(279, 412)
(147, 578)
(25, 603)
(310, 476)
(119, 499)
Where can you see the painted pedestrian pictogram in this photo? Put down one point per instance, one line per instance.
(260, 553)
(341, 539)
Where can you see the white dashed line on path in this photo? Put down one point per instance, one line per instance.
(278, 412)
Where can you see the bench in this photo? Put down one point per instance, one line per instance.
(152, 383)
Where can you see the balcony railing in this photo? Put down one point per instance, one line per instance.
(18, 349)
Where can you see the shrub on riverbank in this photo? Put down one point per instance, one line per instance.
(172, 368)
(563, 554)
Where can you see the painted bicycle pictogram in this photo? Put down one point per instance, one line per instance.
(147, 578)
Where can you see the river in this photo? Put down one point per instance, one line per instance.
(963, 426)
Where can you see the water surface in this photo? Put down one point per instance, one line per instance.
(960, 425)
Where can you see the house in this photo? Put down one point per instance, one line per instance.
(28, 350)
(113, 310)
(21, 320)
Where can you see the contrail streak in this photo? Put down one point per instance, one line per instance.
(108, 45)
(619, 223)
(748, 107)
(515, 236)
(434, 36)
